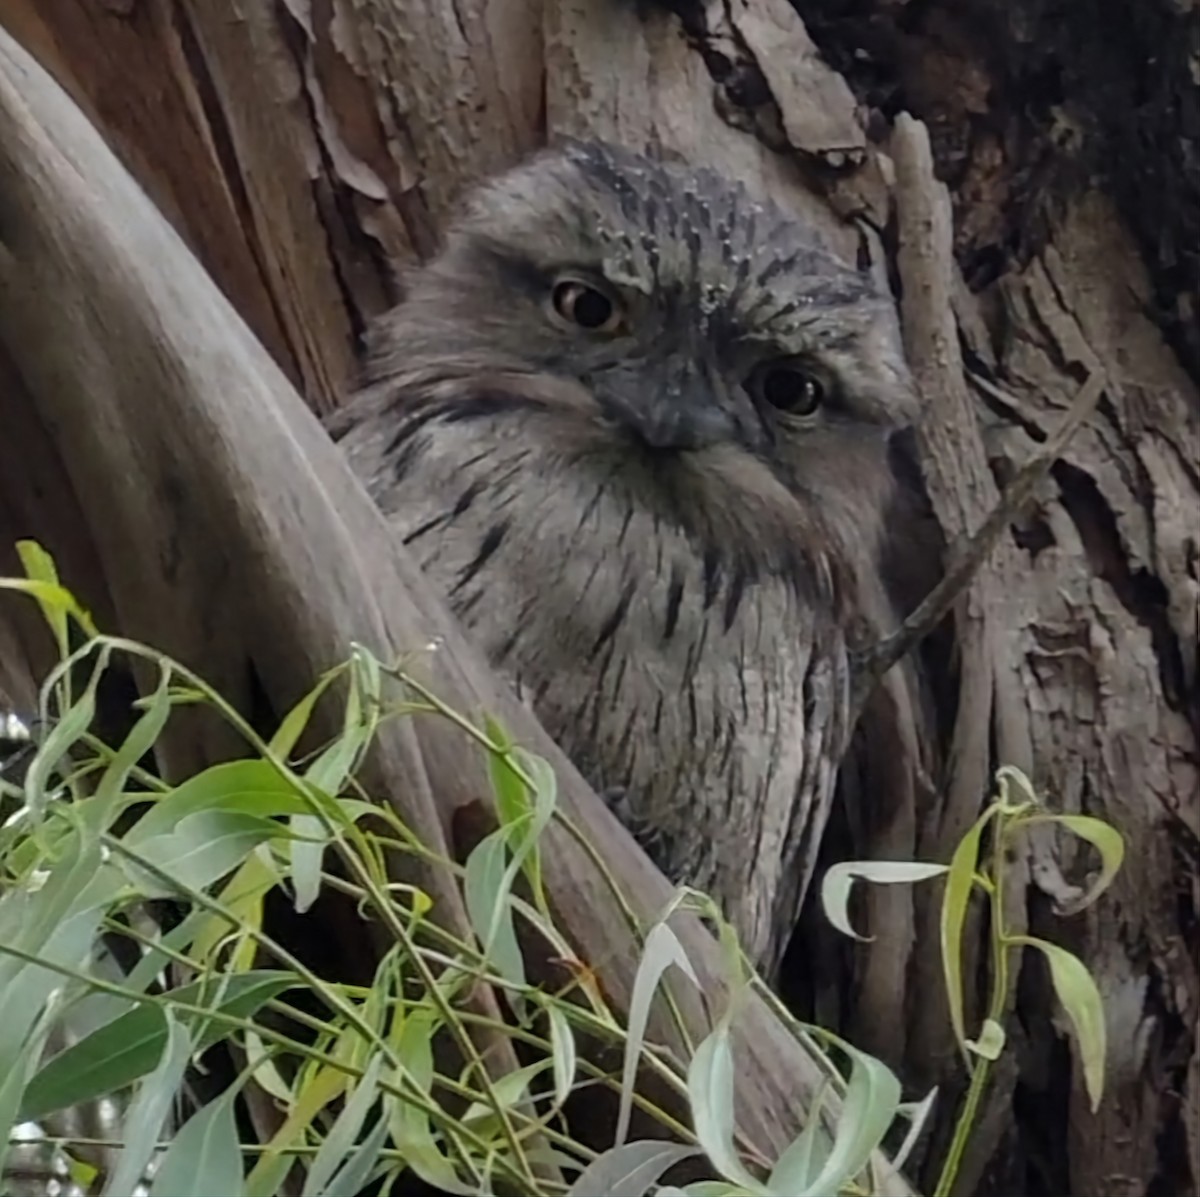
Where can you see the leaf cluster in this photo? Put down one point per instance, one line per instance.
(361, 1094)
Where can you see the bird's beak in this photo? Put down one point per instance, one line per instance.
(672, 414)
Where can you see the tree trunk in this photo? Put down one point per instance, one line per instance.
(303, 149)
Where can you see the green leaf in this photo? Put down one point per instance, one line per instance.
(144, 1119)
(1104, 838)
(56, 601)
(869, 1108)
(63, 736)
(839, 880)
(306, 854)
(1081, 999)
(490, 878)
(342, 1135)
(26, 992)
(526, 845)
(292, 726)
(710, 1093)
(353, 1176)
(203, 848)
(328, 773)
(918, 1115)
(118, 1053)
(510, 1090)
(486, 894)
(51, 595)
(991, 1040)
(267, 1176)
(563, 1051)
(77, 881)
(252, 787)
(512, 797)
(498, 734)
(409, 1123)
(960, 881)
(630, 1170)
(661, 951)
(1008, 779)
(205, 1157)
(141, 739)
(101, 1007)
(13, 1076)
(325, 777)
(805, 1156)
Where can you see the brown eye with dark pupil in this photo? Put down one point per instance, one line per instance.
(585, 306)
(791, 390)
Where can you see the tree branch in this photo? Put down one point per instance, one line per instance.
(872, 663)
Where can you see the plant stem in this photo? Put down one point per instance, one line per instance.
(996, 1005)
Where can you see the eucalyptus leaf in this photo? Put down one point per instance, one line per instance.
(340, 1141)
(141, 739)
(960, 883)
(710, 1094)
(802, 1160)
(205, 1157)
(510, 1091)
(510, 792)
(629, 1170)
(990, 1042)
(488, 908)
(291, 726)
(118, 1053)
(839, 880)
(353, 1175)
(26, 994)
(662, 949)
(13, 1077)
(306, 853)
(1081, 999)
(63, 735)
(563, 1052)
(869, 1107)
(1105, 839)
(56, 601)
(203, 848)
(143, 1120)
(249, 787)
(409, 1123)
(917, 1115)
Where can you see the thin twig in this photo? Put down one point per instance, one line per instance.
(872, 663)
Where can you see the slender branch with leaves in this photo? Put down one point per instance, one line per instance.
(90, 836)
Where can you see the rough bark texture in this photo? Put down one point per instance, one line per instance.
(301, 147)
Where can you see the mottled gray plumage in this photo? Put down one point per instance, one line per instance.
(664, 564)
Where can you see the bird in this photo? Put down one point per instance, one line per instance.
(633, 419)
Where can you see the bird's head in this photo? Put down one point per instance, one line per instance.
(668, 315)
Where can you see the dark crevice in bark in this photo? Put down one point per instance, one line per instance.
(260, 712)
(328, 195)
(1170, 1045)
(1033, 535)
(1140, 592)
(354, 251)
(1034, 102)
(222, 140)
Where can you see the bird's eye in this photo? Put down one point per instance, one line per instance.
(788, 387)
(587, 307)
